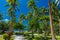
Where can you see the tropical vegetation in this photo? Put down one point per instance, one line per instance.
(42, 23)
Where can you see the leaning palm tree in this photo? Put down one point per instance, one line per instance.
(51, 23)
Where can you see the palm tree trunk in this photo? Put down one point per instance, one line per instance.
(10, 29)
(32, 34)
(51, 23)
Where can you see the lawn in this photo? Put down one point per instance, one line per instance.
(1, 38)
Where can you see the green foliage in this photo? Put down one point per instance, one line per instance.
(1, 17)
(11, 39)
(22, 17)
(12, 9)
(31, 3)
(37, 18)
(19, 26)
(5, 36)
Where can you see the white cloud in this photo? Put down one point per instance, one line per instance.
(6, 20)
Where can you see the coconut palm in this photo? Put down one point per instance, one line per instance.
(21, 19)
(51, 23)
(33, 17)
(13, 7)
(44, 19)
(56, 14)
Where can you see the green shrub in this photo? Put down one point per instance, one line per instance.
(11, 39)
(26, 34)
(5, 36)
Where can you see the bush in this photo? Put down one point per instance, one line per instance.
(27, 33)
(11, 39)
(5, 36)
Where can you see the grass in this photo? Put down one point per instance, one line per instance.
(1, 38)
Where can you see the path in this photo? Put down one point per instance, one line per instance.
(19, 37)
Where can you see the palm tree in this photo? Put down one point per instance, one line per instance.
(13, 6)
(12, 15)
(51, 23)
(21, 19)
(33, 20)
(44, 19)
(56, 14)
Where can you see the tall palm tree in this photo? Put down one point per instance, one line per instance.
(44, 19)
(13, 6)
(51, 23)
(21, 19)
(55, 13)
(33, 20)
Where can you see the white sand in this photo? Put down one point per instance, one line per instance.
(17, 37)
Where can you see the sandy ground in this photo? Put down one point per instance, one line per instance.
(19, 37)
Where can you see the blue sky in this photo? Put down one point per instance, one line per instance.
(23, 7)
